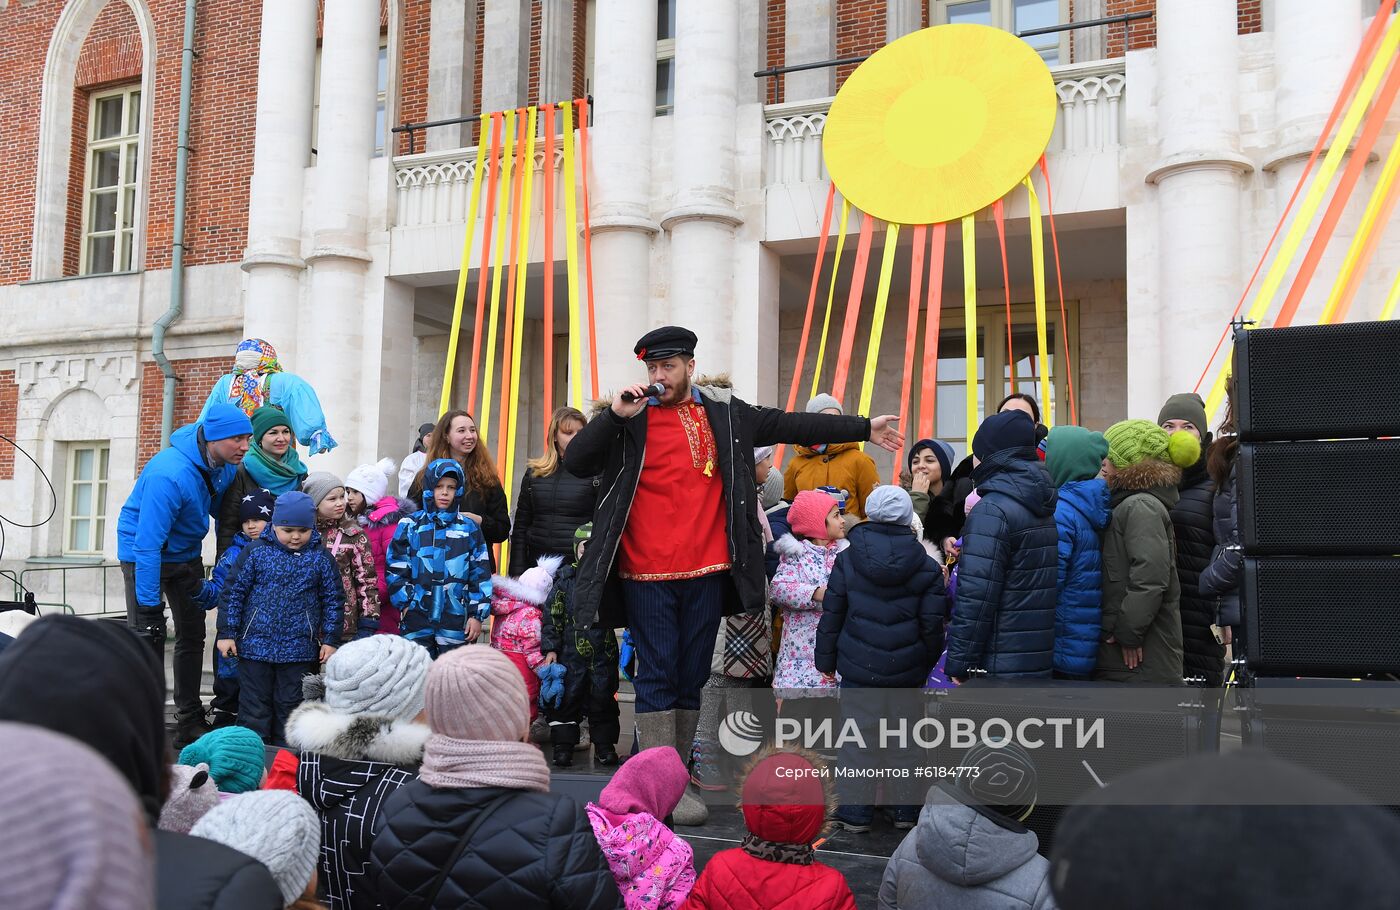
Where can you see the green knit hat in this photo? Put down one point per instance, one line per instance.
(1132, 441)
(267, 417)
(1074, 453)
(235, 756)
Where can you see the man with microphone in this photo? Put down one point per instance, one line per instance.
(676, 538)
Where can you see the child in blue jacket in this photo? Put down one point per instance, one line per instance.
(254, 513)
(280, 616)
(1074, 457)
(439, 569)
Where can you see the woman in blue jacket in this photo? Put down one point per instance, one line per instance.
(1074, 457)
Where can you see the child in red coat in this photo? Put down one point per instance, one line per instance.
(785, 800)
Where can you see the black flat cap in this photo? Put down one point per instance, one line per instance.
(667, 341)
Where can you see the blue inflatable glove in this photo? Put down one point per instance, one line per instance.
(626, 654)
(322, 441)
(551, 684)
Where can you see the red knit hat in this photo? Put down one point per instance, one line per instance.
(807, 514)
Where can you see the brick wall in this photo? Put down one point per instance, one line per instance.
(1143, 33)
(197, 377)
(476, 69)
(777, 46)
(860, 30)
(413, 69)
(580, 49)
(1251, 19)
(9, 408)
(532, 88)
(27, 30)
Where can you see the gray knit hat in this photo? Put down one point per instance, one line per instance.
(192, 795)
(821, 402)
(319, 484)
(889, 504)
(275, 827)
(382, 674)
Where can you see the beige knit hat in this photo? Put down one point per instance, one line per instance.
(474, 692)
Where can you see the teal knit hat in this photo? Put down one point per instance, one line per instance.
(235, 756)
(1132, 441)
(266, 418)
(1074, 453)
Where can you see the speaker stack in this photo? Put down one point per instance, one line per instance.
(1318, 472)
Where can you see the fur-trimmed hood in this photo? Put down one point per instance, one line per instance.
(533, 585)
(314, 727)
(388, 511)
(773, 822)
(787, 545)
(1147, 474)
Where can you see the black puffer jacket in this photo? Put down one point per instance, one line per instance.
(535, 852)
(547, 513)
(1195, 540)
(882, 616)
(1004, 617)
(1221, 577)
(614, 448)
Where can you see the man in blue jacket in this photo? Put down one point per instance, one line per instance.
(159, 538)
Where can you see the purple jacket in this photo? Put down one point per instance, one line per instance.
(653, 868)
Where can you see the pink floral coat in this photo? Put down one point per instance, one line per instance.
(349, 547)
(803, 567)
(516, 626)
(653, 868)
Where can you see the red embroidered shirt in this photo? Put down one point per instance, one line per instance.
(677, 527)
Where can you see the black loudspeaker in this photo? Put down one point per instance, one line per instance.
(1318, 382)
(1319, 498)
(1322, 617)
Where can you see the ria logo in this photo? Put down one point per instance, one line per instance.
(740, 733)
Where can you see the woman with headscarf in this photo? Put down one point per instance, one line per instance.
(271, 464)
(257, 379)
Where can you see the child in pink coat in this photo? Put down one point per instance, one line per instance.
(517, 605)
(653, 868)
(805, 558)
(378, 513)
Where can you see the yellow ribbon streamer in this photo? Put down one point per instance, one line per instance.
(877, 322)
(969, 242)
(571, 258)
(1369, 224)
(1308, 210)
(503, 228)
(1041, 333)
(831, 293)
(1388, 310)
(463, 268)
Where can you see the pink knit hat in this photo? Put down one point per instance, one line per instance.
(474, 692)
(652, 781)
(807, 514)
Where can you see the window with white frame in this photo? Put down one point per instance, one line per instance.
(665, 56)
(87, 498)
(380, 103)
(1014, 16)
(109, 188)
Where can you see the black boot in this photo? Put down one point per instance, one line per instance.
(563, 755)
(605, 755)
(189, 729)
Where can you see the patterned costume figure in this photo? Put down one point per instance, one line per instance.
(439, 570)
(257, 379)
(589, 655)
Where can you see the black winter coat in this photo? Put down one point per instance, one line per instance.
(535, 852)
(1195, 539)
(1221, 577)
(1004, 616)
(882, 614)
(547, 513)
(193, 873)
(614, 448)
(778, 524)
(946, 515)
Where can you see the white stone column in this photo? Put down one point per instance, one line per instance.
(1313, 49)
(331, 325)
(620, 150)
(1090, 43)
(556, 51)
(703, 217)
(281, 149)
(902, 17)
(505, 62)
(809, 37)
(1198, 189)
(451, 44)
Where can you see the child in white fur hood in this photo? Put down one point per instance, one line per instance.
(517, 605)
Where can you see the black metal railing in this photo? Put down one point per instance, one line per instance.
(413, 128)
(1126, 19)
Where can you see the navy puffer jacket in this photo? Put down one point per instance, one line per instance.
(1005, 617)
(882, 614)
(1081, 514)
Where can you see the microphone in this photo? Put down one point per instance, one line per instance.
(655, 390)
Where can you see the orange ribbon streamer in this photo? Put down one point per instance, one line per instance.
(1060, 289)
(911, 332)
(492, 179)
(548, 177)
(999, 213)
(928, 390)
(1356, 164)
(853, 301)
(811, 311)
(587, 246)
